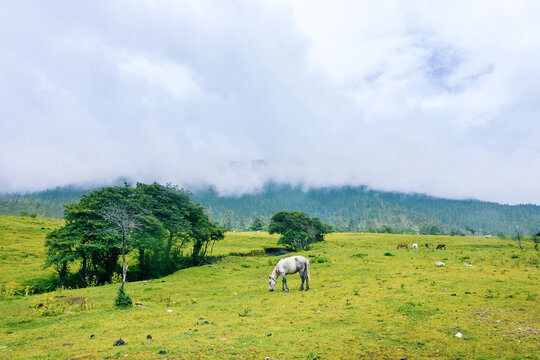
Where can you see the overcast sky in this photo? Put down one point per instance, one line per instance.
(438, 97)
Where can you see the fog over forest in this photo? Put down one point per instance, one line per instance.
(429, 97)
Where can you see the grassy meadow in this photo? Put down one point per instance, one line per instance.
(367, 300)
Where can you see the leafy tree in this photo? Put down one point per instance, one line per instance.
(536, 240)
(24, 213)
(124, 219)
(258, 224)
(518, 239)
(352, 226)
(203, 233)
(228, 219)
(60, 252)
(158, 221)
(298, 230)
(170, 206)
(470, 229)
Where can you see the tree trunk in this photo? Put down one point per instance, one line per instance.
(196, 249)
(169, 247)
(62, 273)
(142, 264)
(84, 275)
(124, 264)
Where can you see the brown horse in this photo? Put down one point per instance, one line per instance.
(402, 245)
(441, 246)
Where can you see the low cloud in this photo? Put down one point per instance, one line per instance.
(405, 96)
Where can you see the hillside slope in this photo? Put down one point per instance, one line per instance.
(347, 208)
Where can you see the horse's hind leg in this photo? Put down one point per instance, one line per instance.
(302, 276)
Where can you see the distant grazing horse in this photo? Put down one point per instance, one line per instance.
(414, 246)
(290, 265)
(441, 246)
(427, 246)
(402, 245)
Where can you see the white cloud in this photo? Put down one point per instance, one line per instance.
(438, 97)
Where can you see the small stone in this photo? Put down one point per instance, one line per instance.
(269, 334)
(453, 295)
(140, 304)
(67, 344)
(162, 352)
(92, 336)
(467, 292)
(149, 337)
(146, 342)
(169, 311)
(223, 339)
(458, 335)
(439, 263)
(119, 342)
(235, 293)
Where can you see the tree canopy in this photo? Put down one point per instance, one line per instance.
(258, 224)
(157, 222)
(297, 229)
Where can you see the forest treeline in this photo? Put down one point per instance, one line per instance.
(345, 208)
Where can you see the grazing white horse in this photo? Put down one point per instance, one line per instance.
(290, 265)
(415, 246)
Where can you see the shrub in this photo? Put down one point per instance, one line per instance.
(122, 300)
(388, 254)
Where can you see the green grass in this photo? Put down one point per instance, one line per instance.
(22, 250)
(363, 306)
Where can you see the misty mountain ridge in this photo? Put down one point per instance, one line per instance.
(349, 208)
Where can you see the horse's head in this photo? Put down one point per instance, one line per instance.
(271, 283)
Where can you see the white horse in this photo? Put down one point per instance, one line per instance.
(290, 265)
(415, 246)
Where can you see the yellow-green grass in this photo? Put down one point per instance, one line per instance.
(22, 250)
(362, 304)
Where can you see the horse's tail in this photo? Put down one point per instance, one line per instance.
(308, 274)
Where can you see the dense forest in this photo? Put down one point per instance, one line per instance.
(346, 208)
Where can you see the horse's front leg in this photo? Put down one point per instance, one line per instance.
(284, 283)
